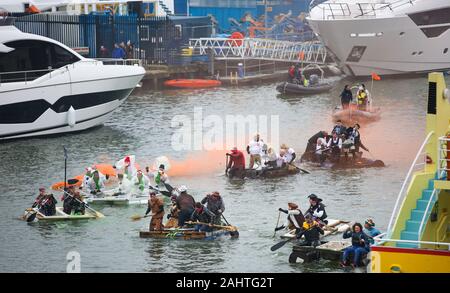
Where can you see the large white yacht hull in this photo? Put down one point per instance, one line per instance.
(393, 45)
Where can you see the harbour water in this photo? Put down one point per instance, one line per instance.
(142, 126)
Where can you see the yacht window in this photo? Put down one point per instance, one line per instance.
(445, 50)
(356, 53)
(414, 53)
(437, 16)
(33, 56)
(433, 32)
(402, 33)
(61, 57)
(420, 53)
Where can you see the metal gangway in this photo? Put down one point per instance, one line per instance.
(261, 49)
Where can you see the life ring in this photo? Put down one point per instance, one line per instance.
(236, 39)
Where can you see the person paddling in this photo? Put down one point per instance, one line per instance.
(140, 181)
(185, 203)
(254, 149)
(156, 206)
(202, 214)
(39, 198)
(46, 203)
(294, 219)
(173, 215)
(236, 164)
(96, 183)
(311, 230)
(317, 209)
(215, 204)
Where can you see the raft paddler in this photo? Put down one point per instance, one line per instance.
(78, 206)
(294, 218)
(339, 128)
(254, 149)
(126, 165)
(356, 137)
(215, 204)
(140, 181)
(67, 199)
(271, 158)
(236, 164)
(87, 177)
(156, 206)
(317, 209)
(311, 230)
(161, 178)
(46, 203)
(290, 155)
(96, 183)
(202, 214)
(312, 142)
(321, 148)
(185, 203)
(335, 145)
(173, 215)
(39, 198)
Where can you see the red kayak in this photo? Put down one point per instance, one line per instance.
(192, 83)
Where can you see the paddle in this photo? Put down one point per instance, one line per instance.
(232, 233)
(31, 217)
(229, 228)
(135, 218)
(281, 244)
(278, 221)
(298, 168)
(97, 214)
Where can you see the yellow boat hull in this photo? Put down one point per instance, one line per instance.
(408, 260)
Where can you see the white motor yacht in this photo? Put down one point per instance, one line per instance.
(47, 88)
(385, 37)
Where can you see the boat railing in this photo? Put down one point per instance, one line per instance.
(338, 10)
(114, 61)
(425, 214)
(379, 240)
(444, 158)
(402, 193)
(23, 76)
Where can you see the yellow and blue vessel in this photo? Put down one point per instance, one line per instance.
(418, 234)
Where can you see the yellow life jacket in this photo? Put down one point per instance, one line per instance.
(361, 97)
(305, 82)
(307, 226)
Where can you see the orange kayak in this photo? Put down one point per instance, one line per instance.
(192, 83)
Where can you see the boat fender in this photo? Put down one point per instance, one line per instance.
(71, 119)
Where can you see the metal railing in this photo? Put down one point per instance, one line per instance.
(379, 240)
(23, 76)
(443, 158)
(30, 75)
(113, 61)
(263, 49)
(425, 214)
(402, 192)
(359, 9)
